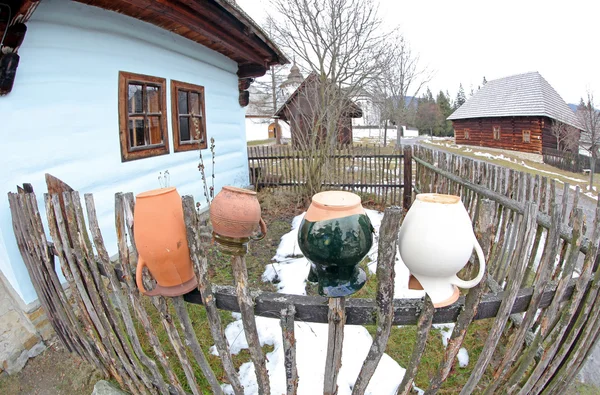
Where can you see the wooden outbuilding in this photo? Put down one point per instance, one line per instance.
(514, 113)
(302, 108)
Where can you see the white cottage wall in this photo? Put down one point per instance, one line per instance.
(62, 115)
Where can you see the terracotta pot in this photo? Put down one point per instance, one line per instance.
(335, 235)
(161, 240)
(436, 241)
(235, 215)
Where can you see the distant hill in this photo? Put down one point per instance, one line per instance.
(573, 106)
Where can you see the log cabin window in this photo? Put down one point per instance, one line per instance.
(496, 132)
(526, 136)
(189, 122)
(466, 134)
(142, 117)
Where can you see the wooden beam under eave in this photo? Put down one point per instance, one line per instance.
(251, 70)
(214, 12)
(25, 11)
(14, 36)
(165, 12)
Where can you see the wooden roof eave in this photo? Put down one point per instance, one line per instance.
(212, 23)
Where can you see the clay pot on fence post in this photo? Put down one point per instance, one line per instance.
(335, 235)
(235, 217)
(161, 240)
(436, 240)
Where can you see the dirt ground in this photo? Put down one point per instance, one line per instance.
(54, 372)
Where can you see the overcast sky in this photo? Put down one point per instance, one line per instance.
(463, 41)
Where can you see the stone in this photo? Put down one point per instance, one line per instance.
(103, 387)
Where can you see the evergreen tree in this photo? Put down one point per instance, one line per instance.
(460, 98)
(445, 126)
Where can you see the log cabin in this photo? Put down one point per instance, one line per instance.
(302, 108)
(105, 95)
(513, 113)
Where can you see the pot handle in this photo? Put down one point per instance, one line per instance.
(263, 231)
(138, 279)
(471, 283)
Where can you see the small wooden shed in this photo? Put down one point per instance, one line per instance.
(514, 113)
(300, 111)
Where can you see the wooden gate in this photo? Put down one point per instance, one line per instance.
(541, 286)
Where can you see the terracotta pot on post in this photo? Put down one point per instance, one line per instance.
(161, 240)
(435, 242)
(235, 217)
(335, 235)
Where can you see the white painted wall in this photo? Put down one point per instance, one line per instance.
(62, 115)
(258, 129)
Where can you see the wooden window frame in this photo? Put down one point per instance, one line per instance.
(528, 141)
(496, 132)
(179, 146)
(129, 153)
(466, 134)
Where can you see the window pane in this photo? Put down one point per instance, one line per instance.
(183, 102)
(139, 138)
(153, 95)
(195, 103)
(184, 129)
(131, 134)
(135, 99)
(155, 130)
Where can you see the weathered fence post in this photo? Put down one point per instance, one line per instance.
(289, 348)
(388, 233)
(333, 361)
(246, 303)
(407, 189)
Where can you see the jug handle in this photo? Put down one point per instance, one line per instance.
(138, 279)
(471, 283)
(263, 231)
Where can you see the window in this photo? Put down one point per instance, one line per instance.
(142, 117)
(496, 132)
(526, 136)
(466, 134)
(189, 122)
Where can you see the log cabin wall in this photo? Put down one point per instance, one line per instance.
(512, 133)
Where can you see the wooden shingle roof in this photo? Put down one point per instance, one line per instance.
(526, 94)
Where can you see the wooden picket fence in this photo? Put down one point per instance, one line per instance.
(533, 243)
(570, 161)
(360, 169)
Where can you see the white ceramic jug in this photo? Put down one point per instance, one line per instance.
(435, 242)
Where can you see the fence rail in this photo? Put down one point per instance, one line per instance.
(534, 245)
(360, 169)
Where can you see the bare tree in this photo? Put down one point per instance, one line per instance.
(590, 136)
(403, 77)
(567, 136)
(341, 44)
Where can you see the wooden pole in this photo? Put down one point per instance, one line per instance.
(423, 327)
(407, 195)
(246, 304)
(335, 340)
(386, 258)
(289, 349)
(205, 287)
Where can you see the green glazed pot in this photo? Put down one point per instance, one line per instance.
(335, 235)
